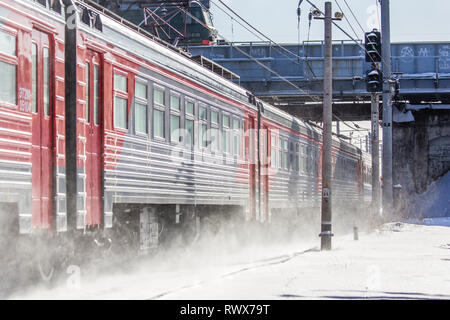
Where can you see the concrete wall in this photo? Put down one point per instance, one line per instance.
(421, 150)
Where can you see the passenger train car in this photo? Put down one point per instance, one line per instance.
(108, 133)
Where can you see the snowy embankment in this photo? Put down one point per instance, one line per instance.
(433, 203)
(398, 261)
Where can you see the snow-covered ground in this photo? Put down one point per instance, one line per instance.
(397, 261)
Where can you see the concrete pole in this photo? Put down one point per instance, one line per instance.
(327, 132)
(375, 154)
(387, 108)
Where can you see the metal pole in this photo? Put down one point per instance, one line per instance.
(375, 143)
(327, 133)
(387, 108)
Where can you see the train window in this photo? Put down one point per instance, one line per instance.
(203, 129)
(214, 139)
(189, 108)
(174, 128)
(141, 90)
(273, 152)
(158, 96)
(175, 118)
(280, 153)
(236, 144)
(7, 43)
(140, 113)
(308, 160)
(190, 132)
(87, 72)
(236, 137)
(214, 117)
(296, 158)
(203, 113)
(120, 113)
(96, 95)
(235, 124)
(158, 123)
(189, 123)
(226, 134)
(34, 76)
(46, 81)
(120, 101)
(315, 161)
(120, 83)
(226, 121)
(140, 107)
(175, 102)
(203, 126)
(8, 88)
(303, 159)
(285, 154)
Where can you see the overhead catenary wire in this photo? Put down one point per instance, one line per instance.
(354, 16)
(313, 98)
(297, 56)
(345, 17)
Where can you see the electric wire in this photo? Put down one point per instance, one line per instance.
(345, 16)
(310, 18)
(296, 61)
(313, 98)
(354, 16)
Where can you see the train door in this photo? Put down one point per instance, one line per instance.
(42, 130)
(94, 138)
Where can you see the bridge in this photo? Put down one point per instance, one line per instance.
(422, 68)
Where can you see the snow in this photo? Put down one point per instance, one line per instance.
(396, 261)
(434, 202)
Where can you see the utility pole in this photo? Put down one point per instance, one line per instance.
(387, 108)
(375, 153)
(326, 233)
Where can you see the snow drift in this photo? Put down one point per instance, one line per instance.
(434, 202)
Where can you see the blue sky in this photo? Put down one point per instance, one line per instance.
(411, 20)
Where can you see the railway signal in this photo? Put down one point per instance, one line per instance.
(373, 46)
(374, 79)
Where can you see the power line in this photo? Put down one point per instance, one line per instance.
(345, 16)
(353, 14)
(262, 34)
(313, 98)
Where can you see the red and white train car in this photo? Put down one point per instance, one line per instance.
(103, 126)
(32, 116)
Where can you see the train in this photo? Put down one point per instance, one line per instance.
(112, 138)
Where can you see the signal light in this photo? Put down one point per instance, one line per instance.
(374, 80)
(373, 46)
